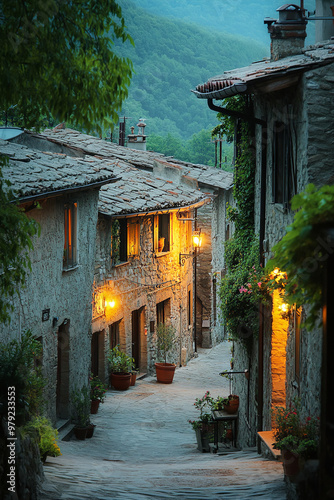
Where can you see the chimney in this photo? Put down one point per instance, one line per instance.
(288, 33)
(138, 141)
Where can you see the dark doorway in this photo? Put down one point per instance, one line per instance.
(139, 339)
(97, 355)
(63, 370)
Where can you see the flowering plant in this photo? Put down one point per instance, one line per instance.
(46, 436)
(204, 405)
(97, 389)
(300, 436)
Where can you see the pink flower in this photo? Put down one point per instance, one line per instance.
(259, 284)
(249, 285)
(242, 289)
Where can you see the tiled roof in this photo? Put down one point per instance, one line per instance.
(144, 160)
(248, 78)
(35, 174)
(141, 192)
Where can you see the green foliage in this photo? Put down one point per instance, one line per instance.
(170, 58)
(293, 433)
(165, 340)
(302, 253)
(97, 389)
(16, 233)
(80, 399)
(17, 369)
(40, 428)
(58, 59)
(120, 362)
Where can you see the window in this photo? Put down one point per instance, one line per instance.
(162, 233)
(70, 241)
(124, 240)
(163, 311)
(296, 320)
(190, 305)
(284, 181)
(114, 334)
(214, 300)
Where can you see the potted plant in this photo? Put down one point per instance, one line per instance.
(231, 404)
(203, 426)
(121, 366)
(165, 342)
(97, 393)
(42, 429)
(80, 399)
(297, 438)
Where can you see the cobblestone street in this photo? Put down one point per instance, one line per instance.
(144, 448)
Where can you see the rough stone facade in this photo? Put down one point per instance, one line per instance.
(308, 108)
(137, 287)
(65, 295)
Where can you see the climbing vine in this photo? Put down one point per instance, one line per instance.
(242, 286)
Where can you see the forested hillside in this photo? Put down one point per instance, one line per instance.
(170, 58)
(241, 17)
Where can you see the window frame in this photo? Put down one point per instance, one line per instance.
(127, 230)
(284, 173)
(70, 253)
(163, 228)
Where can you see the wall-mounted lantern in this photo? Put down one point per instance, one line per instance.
(197, 242)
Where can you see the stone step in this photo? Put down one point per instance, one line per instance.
(65, 429)
(267, 438)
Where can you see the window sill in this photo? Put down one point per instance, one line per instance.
(121, 264)
(161, 254)
(68, 269)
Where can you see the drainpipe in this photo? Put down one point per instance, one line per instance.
(263, 123)
(195, 288)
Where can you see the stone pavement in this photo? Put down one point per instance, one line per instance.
(144, 448)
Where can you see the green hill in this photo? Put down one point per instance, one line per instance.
(170, 58)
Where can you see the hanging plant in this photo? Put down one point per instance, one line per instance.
(303, 251)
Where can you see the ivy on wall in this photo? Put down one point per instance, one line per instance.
(242, 287)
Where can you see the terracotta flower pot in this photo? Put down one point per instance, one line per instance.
(120, 381)
(165, 372)
(80, 432)
(232, 406)
(133, 378)
(94, 405)
(291, 463)
(90, 431)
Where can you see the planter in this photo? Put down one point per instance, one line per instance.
(133, 378)
(292, 463)
(90, 431)
(80, 432)
(165, 372)
(203, 437)
(232, 406)
(120, 381)
(94, 405)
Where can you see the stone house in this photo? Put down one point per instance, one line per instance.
(293, 98)
(61, 194)
(215, 183)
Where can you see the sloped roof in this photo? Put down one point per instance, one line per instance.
(35, 174)
(144, 160)
(141, 192)
(249, 78)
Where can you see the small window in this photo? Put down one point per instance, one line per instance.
(163, 312)
(297, 318)
(124, 240)
(114, 334)
(162, 233)
(70, 241)
(284, 181)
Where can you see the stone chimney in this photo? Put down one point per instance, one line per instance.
(138, 141)
(288, 33)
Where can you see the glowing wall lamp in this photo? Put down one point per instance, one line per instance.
(109, 303)
(197, 242)
(197, 239)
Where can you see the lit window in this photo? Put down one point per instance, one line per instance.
(70, 228)
(162, 233)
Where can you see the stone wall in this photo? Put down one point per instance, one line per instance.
(140, 284)
(67, 295)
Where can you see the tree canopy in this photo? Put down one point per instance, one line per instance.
(57, 59)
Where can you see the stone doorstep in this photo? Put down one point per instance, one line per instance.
(65, 429)
(267, 437)
(223, 449)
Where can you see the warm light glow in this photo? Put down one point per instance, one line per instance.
(277, 274)
(197, 239)
(109, 303)
(283, 307)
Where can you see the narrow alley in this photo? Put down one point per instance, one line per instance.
(144, 448)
